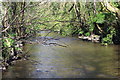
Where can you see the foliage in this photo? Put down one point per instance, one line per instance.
(8, 42)
(109, 37)
(20, 21)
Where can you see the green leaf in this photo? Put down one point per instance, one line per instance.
(100, 18)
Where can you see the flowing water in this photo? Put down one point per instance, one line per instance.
(79, 59)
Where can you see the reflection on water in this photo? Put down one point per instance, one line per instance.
(78, 60)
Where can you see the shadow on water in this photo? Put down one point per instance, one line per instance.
(78, 60)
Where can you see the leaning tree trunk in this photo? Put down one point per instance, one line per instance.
(115, 10)
(112, 8)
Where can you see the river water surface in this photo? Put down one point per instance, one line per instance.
(79, 59)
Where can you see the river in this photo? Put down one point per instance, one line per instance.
(80, 59)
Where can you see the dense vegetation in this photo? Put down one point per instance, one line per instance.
(22, 20)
